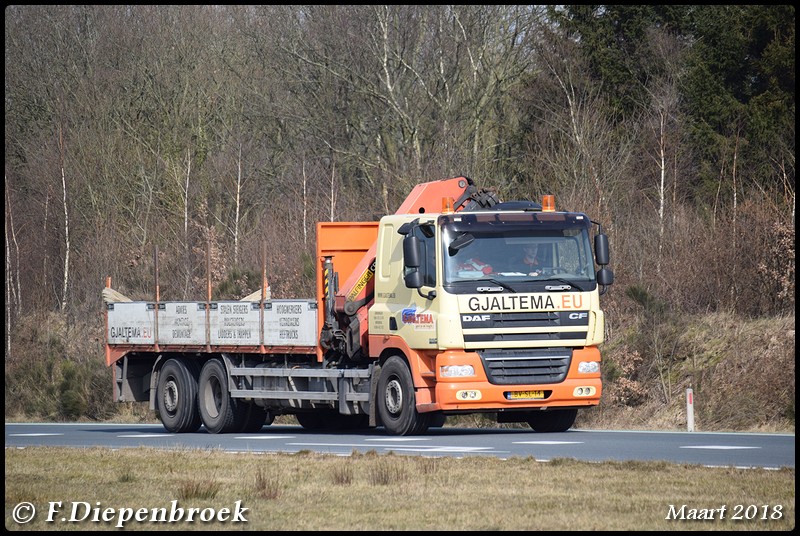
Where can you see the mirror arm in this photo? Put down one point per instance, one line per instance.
(431, 294)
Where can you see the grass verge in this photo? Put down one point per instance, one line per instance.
(307, 491)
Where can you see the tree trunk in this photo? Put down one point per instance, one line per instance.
(238, 205)
(66, 224)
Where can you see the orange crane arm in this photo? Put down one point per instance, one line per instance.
(354, 246)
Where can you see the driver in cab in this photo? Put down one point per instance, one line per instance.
(532, 260)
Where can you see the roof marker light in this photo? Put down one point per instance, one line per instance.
(447, 205)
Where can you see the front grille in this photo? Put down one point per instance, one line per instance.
(526, 366)
(491, 330)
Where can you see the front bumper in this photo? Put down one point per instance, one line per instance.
(476, 393)
(479, 396)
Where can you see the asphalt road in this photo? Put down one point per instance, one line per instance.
(709, 449)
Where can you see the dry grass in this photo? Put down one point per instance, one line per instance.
(268, 485)
(390, 492)
(742, 373)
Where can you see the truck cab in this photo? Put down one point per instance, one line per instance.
(492, 311)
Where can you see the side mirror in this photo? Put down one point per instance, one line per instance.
(601, 251)
(411, 252)
(411, 262)
(605, 277)
(413, 278)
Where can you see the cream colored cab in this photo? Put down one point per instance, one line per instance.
(473, 297)
(409, 313)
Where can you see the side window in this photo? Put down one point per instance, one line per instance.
(427, 254)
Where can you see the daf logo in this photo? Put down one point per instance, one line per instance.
(476, 318)
(578, 316)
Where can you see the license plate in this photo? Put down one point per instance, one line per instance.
(516, 395)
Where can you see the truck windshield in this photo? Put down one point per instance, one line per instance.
(516, 251)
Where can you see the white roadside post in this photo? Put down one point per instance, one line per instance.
(689, 410)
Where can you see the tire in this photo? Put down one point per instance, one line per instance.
(330, 420)
(316, 420)
(217, 408)
(177, 397)
(252, 418)
(359, 421)
(396, 400)
(556, 420)
(437, 420)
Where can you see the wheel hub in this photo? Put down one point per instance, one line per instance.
(394, 397)
(171, 396)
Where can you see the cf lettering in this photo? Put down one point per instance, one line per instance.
(578, 316)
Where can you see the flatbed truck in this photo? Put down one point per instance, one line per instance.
(429, 312)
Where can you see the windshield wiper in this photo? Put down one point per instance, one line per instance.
(496, 282)
(564, 283)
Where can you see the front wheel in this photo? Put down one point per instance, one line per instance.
(555, 420)
(437, 419)
(397, 405)
(177, 397)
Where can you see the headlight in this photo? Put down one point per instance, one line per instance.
(454, 371)
(588, 367)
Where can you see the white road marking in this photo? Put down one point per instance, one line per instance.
(32, 435)
(146, 435)
(441, 449)
(425, 448)
(400, 439)
(548, 442)
(266, 437)
(718, 447)
(329, 444)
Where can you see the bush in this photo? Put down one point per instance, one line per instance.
(56, 371)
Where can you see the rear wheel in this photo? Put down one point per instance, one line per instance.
(397, 405)
(177, 396)
(217, 408)
(555, 420)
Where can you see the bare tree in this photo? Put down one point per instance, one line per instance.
(304, 197)
(238, 207)
(663, 112)
(66, 219)
(13, 288)
(575, 151)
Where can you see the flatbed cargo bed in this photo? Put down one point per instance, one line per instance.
(272, 326)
